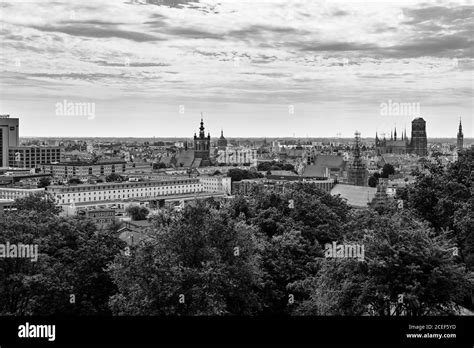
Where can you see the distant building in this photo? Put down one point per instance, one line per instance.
(460, 138)
(33, 156)
(245, 187)
(418, 144)
(9, 137)
(325, 166)
(357, 173)
(222, 142)
(239, 155)
(15, 156)
(217, 183)
(18, 192)
(99, 216)
(84, 170)
(202, 146)
(90, 194)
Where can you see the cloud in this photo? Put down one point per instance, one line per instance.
(85, 30)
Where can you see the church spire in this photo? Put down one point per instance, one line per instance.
(201, 129)
(460, 137)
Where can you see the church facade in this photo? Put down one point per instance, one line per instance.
(417, 145)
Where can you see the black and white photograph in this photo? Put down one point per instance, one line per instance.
(236, 172)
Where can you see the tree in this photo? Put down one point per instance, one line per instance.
(387, 170)
(373, 181)
(74, 181)
(202, 263)
(68, 276)
(407, 270)
(137, 212)
(159, 165)
(40, 203)
(44, 182)
(113, 177)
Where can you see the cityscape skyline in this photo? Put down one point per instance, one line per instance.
(270, 69)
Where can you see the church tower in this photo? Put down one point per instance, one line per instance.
(222, 142)
(202, 144)
(419, 142)
(357, 173)
(460, 138)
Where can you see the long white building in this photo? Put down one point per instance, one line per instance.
(18, 192)
(103, 192)
(218, 183)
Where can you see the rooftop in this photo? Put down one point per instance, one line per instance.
(356, 196)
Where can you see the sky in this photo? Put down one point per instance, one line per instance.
(252, 68)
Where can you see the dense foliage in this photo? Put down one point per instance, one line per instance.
(263, 254)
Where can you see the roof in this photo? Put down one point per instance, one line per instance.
(321, 163)
(392, 158)
(329, 161)
(185, 158)
(166, 159)
(356, 196)
(314, 171)
(283, 173)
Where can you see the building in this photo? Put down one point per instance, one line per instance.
(15, 156)
(418, 144)
(217, 183)
(5, 204)
(100, 216)
(9, 137)
(247, 186)
(13, 193)
(119, 191)
(202, 146)
(357, 173)
(394, 145)
(460, 138)
(237, 155)
(222, 142)
(84, 170)
(33, 156)
(325, 166)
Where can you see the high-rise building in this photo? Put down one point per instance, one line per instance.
(202, 144)
(419, 142)
(357, 173)
(9, 137)
(460, 138)
(13, 155)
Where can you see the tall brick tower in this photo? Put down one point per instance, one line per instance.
(419, 142)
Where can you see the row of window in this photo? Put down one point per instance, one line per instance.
(147, 186)
(104, 198)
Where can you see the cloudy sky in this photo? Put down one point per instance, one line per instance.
(254, 68)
